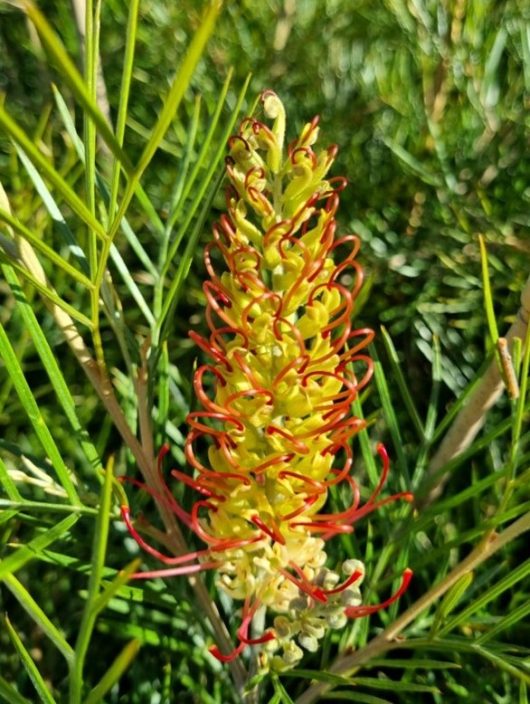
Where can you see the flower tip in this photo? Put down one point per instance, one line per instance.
(267, 93)
(381, 451)
(364, 610)
(272, 104)
(218, 655)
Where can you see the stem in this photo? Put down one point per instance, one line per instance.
(257, 627)
(90, 613)
(490, 544)
(79, 7)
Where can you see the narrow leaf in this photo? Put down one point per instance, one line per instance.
(488, 297)
(41, 162)
(53, 370)
(127, 72)
(391, 420)
(99, 549)
(41, 246)
(355, 696)
(508, 621)
(24, 554)
(8, 484)
(516, 575)
(29, 665)
(10, 694)
(176, 93)
(72, 77)
(37, 421)
(55, 213)
(114, 587)
(115, 671)
(402, 384)
(46, 291)
(37, 614)
(451, 601)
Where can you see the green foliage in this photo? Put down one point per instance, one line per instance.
(105, 204)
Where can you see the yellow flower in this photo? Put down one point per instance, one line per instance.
(276, 422)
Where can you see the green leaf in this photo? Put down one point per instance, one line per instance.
(455, 408)
(413, 164)
(173, 294)
(90, 40)
(184, 181)
(412, 664)
(320, 676)
(432, 411)
(41, 246)
(186, 184)
(35, 417)
(366, 445)
(10, 694)
(113, 674)
(39, 617)
(115, 586)
(88, 619)
(389, 685)
(31, 668)
(523, 693)
(127, 73)
(171, 298)
(280, 691)
(125, 274)
(451, 601)
(392, 421)
(406, 396)
(46, 507)
(502, 663)
(488, 297)
(45, 167)
(373, 682)
(46, 291)
(359, 697)
(515, 575)
(102, 188)
(8, 484)
(24, 554)
(58, 218)
(72, 77)
(50, 364)
(518, 614)
(6, 516)
(176, 92)
(203, 159)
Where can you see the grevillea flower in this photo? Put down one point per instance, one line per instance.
(274, 433)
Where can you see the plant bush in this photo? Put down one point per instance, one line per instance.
(110, 185)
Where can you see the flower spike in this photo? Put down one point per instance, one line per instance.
(284, 368)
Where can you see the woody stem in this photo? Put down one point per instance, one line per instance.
(491, 543)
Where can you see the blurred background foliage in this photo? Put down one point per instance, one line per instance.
(428, 101)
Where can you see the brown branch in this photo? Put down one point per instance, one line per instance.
(347, 664)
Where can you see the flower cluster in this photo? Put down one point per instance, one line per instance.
(276, 422)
